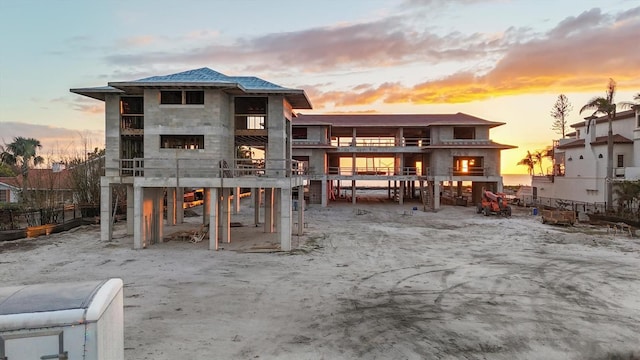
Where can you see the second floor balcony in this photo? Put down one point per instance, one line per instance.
(206, 168)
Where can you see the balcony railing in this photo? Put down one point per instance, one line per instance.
(382, 142)
(377, 171)
(209, 168)
(468, 171)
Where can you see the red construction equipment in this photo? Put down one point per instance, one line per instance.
(493, 204)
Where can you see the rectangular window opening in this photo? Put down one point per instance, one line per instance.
(131, 105)
(189, 142)
(194, 97)
(465, 133)
(620, 161)
(171, 97)
(299, 133)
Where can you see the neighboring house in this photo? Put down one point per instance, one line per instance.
(579, 171)
(9, 190)
(167, 133)
(418, 151)
(45, 187)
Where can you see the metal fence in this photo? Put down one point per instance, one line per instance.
(15, 219)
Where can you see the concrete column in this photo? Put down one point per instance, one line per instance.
(158, 216)
(301, 209)
(277, 209)
(402, 190)
(206, 208)
(284, 224)
(171, 206)
(179, 205)
(436, 194)
(353, 192)
(130, 212)
(268, 210)
(256, 195)
(106, 227)
(236, 200)
(225, 216)
(213, 217)
(389, 190)
(138, 218)
(325, 192)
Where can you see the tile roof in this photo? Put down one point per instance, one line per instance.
(617, 139)
(600, 140)
(391, 120)
(10, 181)
(573, 144)
(44, 179)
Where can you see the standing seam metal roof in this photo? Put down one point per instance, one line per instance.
(205, 75)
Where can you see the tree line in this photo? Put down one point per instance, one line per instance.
(81, 174)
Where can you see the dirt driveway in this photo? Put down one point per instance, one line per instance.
(375, 281)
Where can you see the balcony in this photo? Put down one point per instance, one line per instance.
(375, 173)
(132, 125)
(209, 168)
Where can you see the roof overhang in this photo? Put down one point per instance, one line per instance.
(98, 93)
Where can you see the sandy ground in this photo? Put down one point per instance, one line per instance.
(374, 281)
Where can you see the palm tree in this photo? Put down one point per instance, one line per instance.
(22, 153)
(626, 193)
(606, 106)
(529, 161)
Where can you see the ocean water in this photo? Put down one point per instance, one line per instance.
(516, 179)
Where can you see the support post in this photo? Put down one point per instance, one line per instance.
(301, 210)
(138, 218)
(106, 228)
(225, 216)
(171, 206)
(214, 199)
(353, 192)
(324, 194)
(206, 199)
(130, 212)
(284, 224)
(255, 194)
(179, 205)
(268, 210)
(236, 200)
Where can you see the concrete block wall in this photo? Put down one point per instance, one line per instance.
(112, 134)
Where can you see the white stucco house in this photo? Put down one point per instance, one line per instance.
(579, 172)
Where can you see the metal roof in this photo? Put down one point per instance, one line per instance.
(201, 78)
(392, 120)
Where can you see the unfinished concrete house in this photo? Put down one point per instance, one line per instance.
(167, 133)
(414, 154)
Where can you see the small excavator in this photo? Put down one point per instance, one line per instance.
(493, 204)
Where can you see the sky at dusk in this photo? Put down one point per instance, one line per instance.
(501, 60)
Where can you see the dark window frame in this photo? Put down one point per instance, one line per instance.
(186, 142)
(299, 133)
(464, 132)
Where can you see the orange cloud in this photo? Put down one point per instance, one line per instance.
(579, 55)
